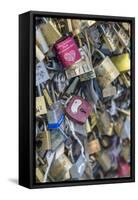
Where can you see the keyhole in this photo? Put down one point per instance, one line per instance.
(82, 110)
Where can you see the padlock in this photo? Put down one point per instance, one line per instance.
(39, 54)
(80, 67)
(78, 168)
(50, 32)
(60, 82)
(106, 72)
(41, 73)
(55, 115)
(118, 126)
(67, 51)
(126, 79)
(43, 140)
(109, 37)
(78, 109)
(94, 145)
(104, 123)
(39, 175)
(40, 104)
(94, 35)
(122, 62)
(80, 129)
(104, 160)
(125, 133)
(76, 26)
(59, 170)
(123, 168)
(125, 150)
(109, 91)
(47, 97)
(122, 36)
(41, 41)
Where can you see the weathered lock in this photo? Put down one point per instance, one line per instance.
(60, 82)
(109, 37)
(41, 41)
(40, 106)
(76, 26)
(39, 54)
(41, 73)
(109, 91)
(43, 140)
(81, 67)
(78, 168)
(47, 97)
(55, 115)
(94, 145)
(125, 150)
(118, 126)
(106, 72)
(57, 142)
(104, 123)
(67, 51)
(39, 174)
(104, 160)
(122, 62)
(50, 32)
(78, 109)
(59, 170)
(122, 35)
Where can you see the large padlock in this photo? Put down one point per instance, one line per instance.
(59, 170)
(41, 73)
(122, 62)
(41, 41)
(43, 140)
(55, 115)
(67, 51)
(39, 54)
(122, 35)
(81, 67)
(106, 71)
(104, 160)
(94, 145)
(109, 37)
(78, 168)
(78, 109)
(50, 32)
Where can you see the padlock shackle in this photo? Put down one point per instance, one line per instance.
(100, 53)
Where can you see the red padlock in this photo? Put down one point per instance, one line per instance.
(67, 51)
(78, 109)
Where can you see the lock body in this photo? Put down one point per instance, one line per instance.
(106, 72)
(67, 52)
(78, 109)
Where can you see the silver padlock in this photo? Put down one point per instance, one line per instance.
(41, 73)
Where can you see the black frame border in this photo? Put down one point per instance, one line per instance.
(30, 142)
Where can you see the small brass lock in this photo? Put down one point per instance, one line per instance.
(122, 62)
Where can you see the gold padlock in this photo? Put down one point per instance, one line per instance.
(40, 106)
(59, 170)
(122, 62)
(106, 71)
(39, 54)
(50, 32)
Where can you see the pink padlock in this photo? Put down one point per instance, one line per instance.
(67, 51)
(78, 109)
(123, 168)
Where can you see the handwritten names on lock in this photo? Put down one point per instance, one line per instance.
(82, 100)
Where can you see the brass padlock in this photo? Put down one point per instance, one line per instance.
(59, 170)
(104, 160)
(50, 32)
(94, 145)
(39, 175)
(122, 62)
(104, 123)
(106, 72)
(43, 140)
(39, 54)
(40, 106)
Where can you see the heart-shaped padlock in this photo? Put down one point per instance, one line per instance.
(78, 109)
